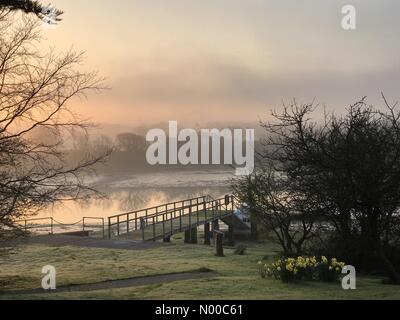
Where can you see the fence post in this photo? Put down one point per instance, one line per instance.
(163, 225)
(207, 233)
(135, 220)
(197, 212)
(180, 220)
(190, 222)
(102, 221)
(230, 232)
(142, 226)
(154, 230)
(172, 222)
(51, 225)
(83, 224)
(218, 243)
(127, 223)
(109, 228)
(118, 225)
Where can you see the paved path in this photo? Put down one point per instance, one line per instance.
(87, 242)
(123, 283)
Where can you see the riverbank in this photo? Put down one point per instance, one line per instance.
(234, 276)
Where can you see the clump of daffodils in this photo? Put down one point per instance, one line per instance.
(308, 268)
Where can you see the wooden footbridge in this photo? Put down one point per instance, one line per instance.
(163, 221)
(152, 224)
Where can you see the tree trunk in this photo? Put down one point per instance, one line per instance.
(394, 276)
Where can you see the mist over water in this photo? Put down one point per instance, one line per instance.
(131, 192)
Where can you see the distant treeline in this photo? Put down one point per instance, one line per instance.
(129, 153)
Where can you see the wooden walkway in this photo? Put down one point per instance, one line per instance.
(163, 221)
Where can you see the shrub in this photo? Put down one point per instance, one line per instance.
(306, 268)
(240, 249)
(329, 271)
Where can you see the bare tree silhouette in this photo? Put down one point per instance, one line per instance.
(35, 89)
(28, 6)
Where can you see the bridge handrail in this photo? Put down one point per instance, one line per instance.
(137, 221)
(155, 207)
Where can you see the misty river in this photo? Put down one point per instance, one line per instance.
(128, 192)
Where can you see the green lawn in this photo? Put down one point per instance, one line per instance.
(237, 275)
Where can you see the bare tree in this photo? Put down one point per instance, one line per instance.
(130, 142)
(28, 6)
(279, 208)
(34, 93)
(351, 165)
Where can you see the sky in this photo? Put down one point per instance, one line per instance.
(228, 60)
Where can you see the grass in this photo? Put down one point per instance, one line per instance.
(237, 274)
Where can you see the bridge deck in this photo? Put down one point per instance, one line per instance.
(172, 226)
(170, 218)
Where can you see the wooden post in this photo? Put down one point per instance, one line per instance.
(117, 225)
(190, 221)
(187, 236)
(142, 226)
(197, 212)
(227, 199)
(207, 234)
(154, 230)
(109, 228)
(51, 226)
(180, 220)
(219, 249)
(193, 235)
(230, 232)
(163, 225)
(172, 222)
(215, 224)
(127, 223)
(135, 220)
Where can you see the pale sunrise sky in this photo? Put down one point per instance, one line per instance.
(228, 60)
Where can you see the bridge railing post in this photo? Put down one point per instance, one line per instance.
(109, 228)
(190, 222)
(172, 222)
(136, 220)
(180, 220)
(127, 223)
(163, 224)
(142, 226)
(154, 230)
(197, 211)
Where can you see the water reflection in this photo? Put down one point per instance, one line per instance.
(133, 193)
